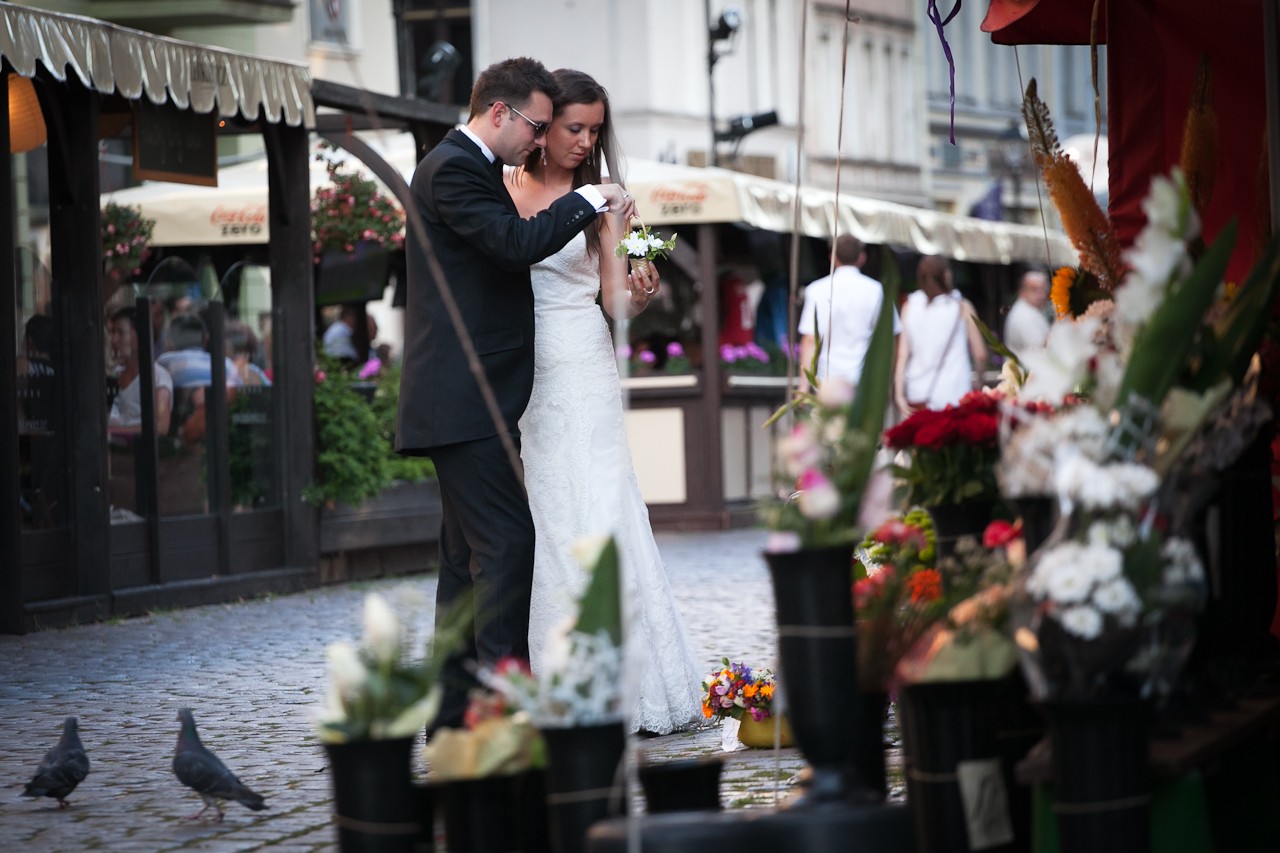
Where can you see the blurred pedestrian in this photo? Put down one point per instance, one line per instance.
(940, 347)
(1025, 326)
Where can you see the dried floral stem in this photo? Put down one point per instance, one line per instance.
(1083, 220)
(1199, 156)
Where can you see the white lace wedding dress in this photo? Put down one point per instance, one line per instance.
(580, 480)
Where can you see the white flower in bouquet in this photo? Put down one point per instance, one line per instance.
(381, 628)
(1118, 598)
(1083, 621)
(1063, 364)
(643, 244)
(376, 692)
(581, 679)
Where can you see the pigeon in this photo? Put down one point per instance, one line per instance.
(201, 771)
(63, 767)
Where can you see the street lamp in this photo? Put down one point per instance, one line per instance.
(723, 30)
(1009, 157)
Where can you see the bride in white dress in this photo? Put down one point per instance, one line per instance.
(578, 469)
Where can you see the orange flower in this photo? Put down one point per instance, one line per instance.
(766, 690)
(925, 585)
(1063, 279)
(750, 691)
(706, 710)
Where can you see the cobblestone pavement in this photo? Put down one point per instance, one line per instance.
(251, 672)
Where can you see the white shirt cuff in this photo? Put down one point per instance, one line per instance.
(593, 197)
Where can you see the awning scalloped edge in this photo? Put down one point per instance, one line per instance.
(113, 59)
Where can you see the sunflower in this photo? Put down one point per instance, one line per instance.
(1063, 279)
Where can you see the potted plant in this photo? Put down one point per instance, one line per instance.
(577, 702)
(379, 699)
(126, 234)
(354, 227)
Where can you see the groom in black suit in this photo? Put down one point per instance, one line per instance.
(463, 390)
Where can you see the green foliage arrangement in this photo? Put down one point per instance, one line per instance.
(351, 454)
(355, 437)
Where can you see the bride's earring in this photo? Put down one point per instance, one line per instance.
(589, 160)
(544, 156)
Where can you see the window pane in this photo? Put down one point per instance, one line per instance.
(43, 488)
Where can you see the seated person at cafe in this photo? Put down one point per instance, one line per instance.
(126, 409)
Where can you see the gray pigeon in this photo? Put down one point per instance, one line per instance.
(63, 767)
(201, 771)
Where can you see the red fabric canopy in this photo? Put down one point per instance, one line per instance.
(1153, 49)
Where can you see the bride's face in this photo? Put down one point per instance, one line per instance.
(574, 133)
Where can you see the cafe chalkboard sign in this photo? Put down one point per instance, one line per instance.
(175, 145)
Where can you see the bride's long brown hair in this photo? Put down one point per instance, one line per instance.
(577, 87)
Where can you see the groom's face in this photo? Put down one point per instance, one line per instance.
(517, 137)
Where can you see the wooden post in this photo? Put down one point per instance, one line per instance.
(293, 336)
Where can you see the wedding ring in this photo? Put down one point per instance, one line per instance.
(651, 290)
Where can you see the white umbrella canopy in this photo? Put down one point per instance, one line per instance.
(236, 210)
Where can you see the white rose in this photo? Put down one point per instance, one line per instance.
(1117, 596)
(1083, 621)
(346, 669)
(381, 628)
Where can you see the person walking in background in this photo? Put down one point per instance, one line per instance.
(464, 422)
(940, 347)
(842, 310)
(1025, 326)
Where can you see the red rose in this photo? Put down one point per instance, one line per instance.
(1000, 533)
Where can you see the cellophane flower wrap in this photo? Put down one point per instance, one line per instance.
(923, 618)
(377, 689)
(1135, 377)
(498, 739)
(737, 690)
(826, 458)
(582, 679)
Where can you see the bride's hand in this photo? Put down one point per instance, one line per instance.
(644, 286)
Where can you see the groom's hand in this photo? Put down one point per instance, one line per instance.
(618, 200)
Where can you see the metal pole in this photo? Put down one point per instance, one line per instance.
(713, 157)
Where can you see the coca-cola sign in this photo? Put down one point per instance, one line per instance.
(243, 221)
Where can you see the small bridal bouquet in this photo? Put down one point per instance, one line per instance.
(641, 246)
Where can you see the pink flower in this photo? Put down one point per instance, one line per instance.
(818, 497)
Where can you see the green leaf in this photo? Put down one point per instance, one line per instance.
(601, 606)
(1234, 339)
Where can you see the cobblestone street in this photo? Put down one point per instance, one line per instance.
(251, 672)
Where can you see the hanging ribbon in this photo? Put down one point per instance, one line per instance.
(939, 24)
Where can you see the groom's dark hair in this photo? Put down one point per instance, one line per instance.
(512, 81)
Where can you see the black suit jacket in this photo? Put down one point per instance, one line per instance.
(485, 250)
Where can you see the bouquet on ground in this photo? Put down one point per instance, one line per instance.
(498, 739)
(828, 456)
(377, 691)
(582, 678)
(641, 246)
(738, 691)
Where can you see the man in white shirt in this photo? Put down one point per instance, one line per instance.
(1025, 326)
(841, 309)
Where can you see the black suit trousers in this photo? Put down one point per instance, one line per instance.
(486, 560)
